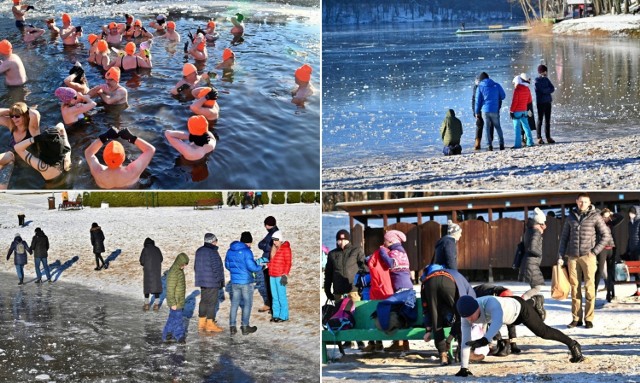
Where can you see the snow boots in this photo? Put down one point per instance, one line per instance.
(233, 330)
(156, 307)
(21, 282)
(246, 330)
(503, 348)
(576, 352)
(538, 303)
(211, 326)
(145, 307)
(477, 144)
(202, 323)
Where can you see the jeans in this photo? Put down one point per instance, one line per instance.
(262, 287)
(208, 302)
(280, 304)
(489, 120)
(242, 292)
(521, 118)
(174, 326)
(20, 271)
(46, 268)
(544, 111)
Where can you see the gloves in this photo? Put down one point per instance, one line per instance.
(478, 343)
(183, 87)
(560, 262)
(283, 280)
(512, 115)
(79, 29)
(110, 134)
(213, 95)
(31, 7)
(125, 134)
(464, 372)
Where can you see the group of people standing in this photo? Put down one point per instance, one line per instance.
(486, 103)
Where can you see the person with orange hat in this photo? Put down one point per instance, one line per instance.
(206, 103)
(210, 31)
(32, 33)
(93, 45)
(128, 60)
(305, 89)
(200, 140)
(11, 65)
(69, 32)
(190, 78)
(199, 48)
(101, 57)
(53, 150)
(160, 23)
(137, 31)
(171, 33)
(114, 175)
(228, 59)
(19, 11)
(113, 33)
(112, 93)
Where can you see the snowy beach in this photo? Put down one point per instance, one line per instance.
(600, 164)
(611, 348)
(616, 25)
(175, 230)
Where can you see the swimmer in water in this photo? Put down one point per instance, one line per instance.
(101, 58)
(112, 93)
(114, 175)
(196, 143)
(11, 65)
(210, 32)
(77, 79)
(53, 28)
(160, 23)
(199, 48)
(19, 11)
(53, 151)
(69, 33)
(93, 47)
(32, 33)
(206, 103)
(23, 122)
(190, 79)
(128, 60)
(138, 31)
(171, 34)
(113, 33)
(303, 80)
(228, 59)
(238, 25)
(74, 105)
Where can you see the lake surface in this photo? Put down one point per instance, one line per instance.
(387, 88)
(262, 134)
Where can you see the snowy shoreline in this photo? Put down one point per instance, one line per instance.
(599, 164)
(615, 25)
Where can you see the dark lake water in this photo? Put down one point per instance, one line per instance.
(261, 132)
(387, 88)
(74, 334)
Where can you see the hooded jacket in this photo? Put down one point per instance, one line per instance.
(633, 245)
(451, 129)
(281, 262)
(446, 253)
(381, 287)
(543, 88)
(240, 263)
(151, 261)
(530, 265)
(176, 286)
(342, 266)
(521, 98)
(489, 96)
(21, 257)
(40, 244)
(578, 236)
(209, 272)
(97, 240)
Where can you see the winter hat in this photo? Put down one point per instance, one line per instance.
(277, 235)
(171, 25)
(467, 305)
(453, 228)
(103, 46)
(210, 238)
(304, 73)
(5, 47)
(114, 154)
(205, 91)
(130, 48)
(198, 125)
(94, 225)
(65, 94)
(113, 25)
(38, 230)
(17, 235)
(632, 210)
(188, 68)
(539, 216)
(270, 221)
(227, 54)
(506, 293)
(246, 237)
(211, 24)
(525, 77)
(66, 18)
(483, 76)
(239, 17)
(395, 236)
(343, 234)
(542, 69)
(92, 38)
(113, 74)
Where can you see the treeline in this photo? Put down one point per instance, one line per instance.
(163, 199)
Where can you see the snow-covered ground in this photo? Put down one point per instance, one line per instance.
(175, 230)
(612, 24)
(600, 164)
(611, 348)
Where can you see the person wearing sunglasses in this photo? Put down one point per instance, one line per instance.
(23, 122)
(138, 31)
(53, 153)
(74, 105)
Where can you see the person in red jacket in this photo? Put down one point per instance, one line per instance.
(279, 268)
(518, 111)
(381, 288)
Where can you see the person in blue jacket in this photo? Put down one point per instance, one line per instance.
(20, 247)
(544, 88)
(489, 96)
(241, 265)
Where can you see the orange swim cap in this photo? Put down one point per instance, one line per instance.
(16, 2)
(198, 125)
(188, 68)
(113, 74)
(5, 47)
(201, 46)
(304, 73)
(171, 25)
(113, 25)
(66, 18)
(211, 24)
(92, 38)
(103, 46)
(130, 48)
(203, 92)
(113, 154)
(137, 23)
(227, 54)
(209, 103)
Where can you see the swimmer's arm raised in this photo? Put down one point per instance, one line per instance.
(71, 30)
(90, 155)
(4, 117)
(141, 163)
(4, 66)
(34, 122)
(84, 107)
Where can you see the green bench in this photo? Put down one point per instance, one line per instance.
(366, 330)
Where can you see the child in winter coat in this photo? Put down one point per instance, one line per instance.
(20, 247)
(176, 289)
(279, 268)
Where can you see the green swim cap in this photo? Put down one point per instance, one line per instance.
(239, 17)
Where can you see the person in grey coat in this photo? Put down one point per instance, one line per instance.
(530, 266)
(97, 241)
(578, 244)
(40, 248)
(151, 261)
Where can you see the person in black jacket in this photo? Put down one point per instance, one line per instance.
(97, 241)
(262, 281)
(609, 255)
(446, 253)
(40, 246)
(530, 266)
(209, 276)
(151, 261)
(633, 246)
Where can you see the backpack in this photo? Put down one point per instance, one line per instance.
(343, 319)
(328, 310)
(20, 249)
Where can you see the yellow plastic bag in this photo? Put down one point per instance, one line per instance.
(560, 286)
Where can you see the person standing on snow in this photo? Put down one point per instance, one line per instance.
(97, 241)
(20, 247)
(40, 246)
(265, 245)
(151, 261)
(279, 268)
(209, 276)
(489, 96)
(543, 88)
(176, 289)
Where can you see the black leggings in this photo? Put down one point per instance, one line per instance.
(208, 301)
(544, 111)
(157, 295)
(99, 259)
(530, 318)
(439, 293)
